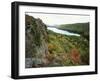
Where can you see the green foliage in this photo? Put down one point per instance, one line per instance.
(62, 45)
(56, 49)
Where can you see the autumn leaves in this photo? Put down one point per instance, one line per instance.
(75, 56)
(66, 50)
(63, 59)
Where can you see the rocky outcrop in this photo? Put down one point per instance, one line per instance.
(45, 48)
(35, 41)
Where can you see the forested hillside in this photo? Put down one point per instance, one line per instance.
(81, 28)
(45, 48)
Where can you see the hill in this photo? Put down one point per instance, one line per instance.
(81, 28)
(45, 48)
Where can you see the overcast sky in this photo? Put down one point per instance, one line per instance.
(57, 19)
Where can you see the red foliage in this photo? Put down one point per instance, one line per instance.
(75, 56)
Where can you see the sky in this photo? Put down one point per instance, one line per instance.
(58, 19)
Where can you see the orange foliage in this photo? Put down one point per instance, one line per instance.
(75, 56)
(50, 46)
(50, 57)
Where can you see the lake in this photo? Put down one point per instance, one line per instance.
(56, 30)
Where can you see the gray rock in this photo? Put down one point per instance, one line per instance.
(35, 41)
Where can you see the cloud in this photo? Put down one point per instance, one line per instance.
(57, 19)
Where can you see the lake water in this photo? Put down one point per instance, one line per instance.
(56, 30)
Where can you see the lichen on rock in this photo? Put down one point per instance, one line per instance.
(36, 41)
